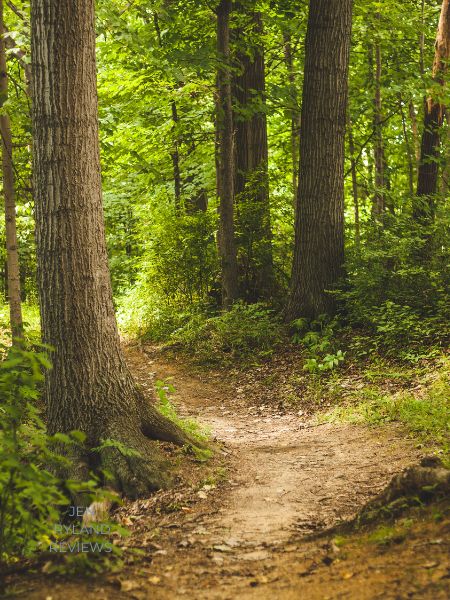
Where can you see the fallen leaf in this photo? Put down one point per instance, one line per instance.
(127, 585)
(347, 575)
(222, 548)
(154, 580)
(430, 565)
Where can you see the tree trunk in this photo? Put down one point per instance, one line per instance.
(176, 158)
(378, 206)
(427, 181)
(90, 387)
(409, 152)
(415, 130)
(251, 158)
(319, 226)
(295, 115)
(351, 147)
(12, 251)
(225, 179)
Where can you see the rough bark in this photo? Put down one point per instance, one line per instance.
(434, 112)
(12, 250)
(319, 226)
(251, 158)
(225, 158)
(90, 387)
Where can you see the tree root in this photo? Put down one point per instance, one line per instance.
(415, 486)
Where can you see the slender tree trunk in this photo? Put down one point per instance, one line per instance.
(351, 145)
(295, 115)
(12, 251)
(90, 387)
(445, 177)
(319, 227)
(434, 109)
(225, 138)
(409, 152)
(379, 160)
(251, 158)
(176, 158)
(414, 129)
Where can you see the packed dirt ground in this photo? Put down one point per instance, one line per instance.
(244, 525)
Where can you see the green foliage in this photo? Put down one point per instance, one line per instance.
(319, 340)
(396, 294)
(33, 499)
(29, 494)
(426, 416)
(242, 332)
(190, 426)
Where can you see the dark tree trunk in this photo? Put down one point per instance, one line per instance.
(251, 158)
(427, 181)
(90, 387)
(176, 158)
(319, 226)
(12, 251)
(225, 159)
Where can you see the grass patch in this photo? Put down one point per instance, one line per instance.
(426, 416)
(189, 426)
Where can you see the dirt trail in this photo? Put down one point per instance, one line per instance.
(288, 477)
(244, 539)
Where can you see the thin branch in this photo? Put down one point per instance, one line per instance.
(16, 11)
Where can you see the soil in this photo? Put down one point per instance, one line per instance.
(246, 529)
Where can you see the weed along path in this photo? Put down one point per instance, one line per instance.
(241, 532)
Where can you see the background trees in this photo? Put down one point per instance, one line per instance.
(161, 130)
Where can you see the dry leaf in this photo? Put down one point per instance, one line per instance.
(127, 585)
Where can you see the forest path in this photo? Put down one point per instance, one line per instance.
(242, 536)
(286, 478)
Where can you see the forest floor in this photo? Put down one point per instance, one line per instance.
(244, 527)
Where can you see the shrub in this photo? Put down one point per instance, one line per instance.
(32, 497)
(319, 340)
(243, 331)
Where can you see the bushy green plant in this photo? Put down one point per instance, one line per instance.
(32, 497)
(396, 292)
(319, 340)
(243, 331)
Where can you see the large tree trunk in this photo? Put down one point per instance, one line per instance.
(252, 155)
(225, 159)
(319, 226)
(434, 109)
(90, 387)
(12, 251)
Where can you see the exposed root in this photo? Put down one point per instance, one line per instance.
(415, 486)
